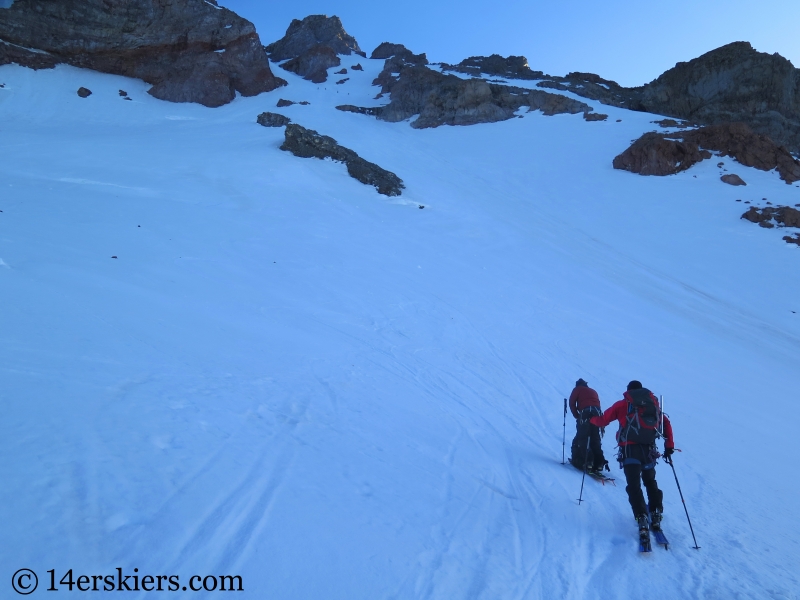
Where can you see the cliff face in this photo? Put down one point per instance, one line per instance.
(189, 50)
(732, 83)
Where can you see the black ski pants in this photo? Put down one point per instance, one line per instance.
(585, 431)
(640, 468)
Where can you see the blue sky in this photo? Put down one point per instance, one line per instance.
(629, 42)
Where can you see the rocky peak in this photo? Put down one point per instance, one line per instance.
(732, 83)
(190, 51)
(733, 78)
(312, 31)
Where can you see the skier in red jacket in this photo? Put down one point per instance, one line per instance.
(640, 423)
(584, 403)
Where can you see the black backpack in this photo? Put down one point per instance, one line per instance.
(643, 424)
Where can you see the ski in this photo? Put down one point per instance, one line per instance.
(644, 541)
(661, 538)
(596, 476)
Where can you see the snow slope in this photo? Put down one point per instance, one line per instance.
(286, 376)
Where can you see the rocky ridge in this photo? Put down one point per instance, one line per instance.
(733, 83)
(513, 67)
(307, 143)
(587, 85)
(443, 99)
(188, 51)
(594, 87)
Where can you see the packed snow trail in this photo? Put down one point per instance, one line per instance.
(286, 376)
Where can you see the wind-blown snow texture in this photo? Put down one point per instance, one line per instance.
(286, 376)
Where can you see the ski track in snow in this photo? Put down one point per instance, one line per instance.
(286, 376)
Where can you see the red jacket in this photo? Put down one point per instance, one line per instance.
(619, 412)
(582, 397)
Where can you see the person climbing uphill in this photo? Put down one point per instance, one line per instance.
(641, 422)
(584, 403)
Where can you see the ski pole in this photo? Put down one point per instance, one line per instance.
(585, 465)
(564, 437)
(669, 461)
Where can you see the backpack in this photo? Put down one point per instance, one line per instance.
(643, 421)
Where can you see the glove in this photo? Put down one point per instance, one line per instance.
(668, 452)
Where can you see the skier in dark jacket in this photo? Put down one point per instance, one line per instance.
(584, 404)
(640, 422)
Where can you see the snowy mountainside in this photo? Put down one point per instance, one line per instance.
(285, 376)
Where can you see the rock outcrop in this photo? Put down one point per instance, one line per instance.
(398, 58)
(770, 216)
(776, 216)
(668, 123)
(513, 67)
(594, 87)
(282, 102)
(441, 99)
(669, 153)
(372, 111)
(732, 83)
(312, 46)
(792, 240)
(595, 116)
(587, 85)
(313, 64)
(190, 51)
(307, 143)
(33, 59)
(314, 30)
(388, 50)
(732, 179)
(271, 119)
(656, 154)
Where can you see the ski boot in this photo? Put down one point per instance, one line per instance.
(644, 524)
(655, 520)
(644, 533)
(598, 470)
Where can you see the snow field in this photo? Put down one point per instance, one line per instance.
(287, 376)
